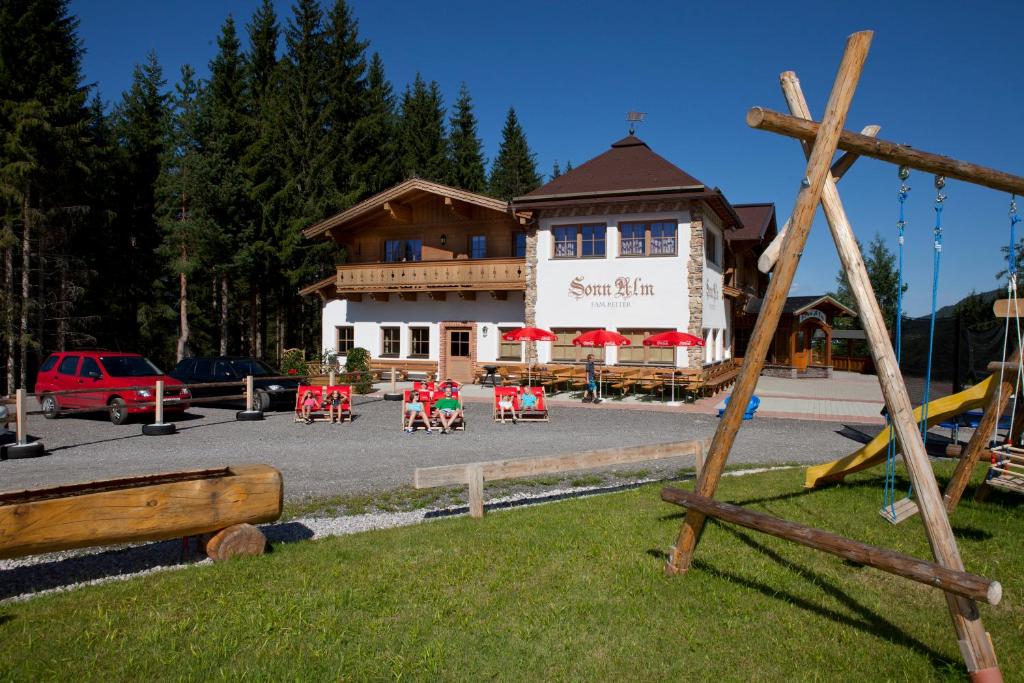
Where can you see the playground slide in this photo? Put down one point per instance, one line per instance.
(874, 452)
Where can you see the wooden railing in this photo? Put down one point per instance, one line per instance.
(853, 364)
(460, 274)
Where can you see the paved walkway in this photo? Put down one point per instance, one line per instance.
(847, 397)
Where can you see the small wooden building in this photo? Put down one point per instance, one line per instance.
(803, 341)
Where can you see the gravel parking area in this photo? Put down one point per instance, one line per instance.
(372, 453)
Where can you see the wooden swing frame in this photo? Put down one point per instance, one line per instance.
(820, 142)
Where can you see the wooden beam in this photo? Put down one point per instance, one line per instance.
(499, 294)
(794, 127)
(453, 475)
(1008, 308)
(379, 297)
(407, 296)
(437, 296)
(353, 297)
(957, 582)
(994, 408)
(398, 211)
(467, 294)
(771, 253)
(775, 298)
(975, 645)
(459, 208)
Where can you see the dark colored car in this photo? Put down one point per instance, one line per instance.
(105, 379)
(268, 393)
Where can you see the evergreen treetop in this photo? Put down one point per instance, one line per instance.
(467, 156)
(515, 169)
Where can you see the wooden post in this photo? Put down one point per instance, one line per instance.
(330, 378)
(901, 155)
(698, 459)
(771, 308)
(248, 393)
(475, 474)
(159, 399)
(975, 645)
(19, 416)
(394, 379)
(771, 253)
(958, 582)
(997, 403)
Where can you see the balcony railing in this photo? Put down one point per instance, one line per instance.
(426, 276)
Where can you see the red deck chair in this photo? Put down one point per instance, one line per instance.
(423, 386)
(318, 396)
(423, 397)
(435, 414)
(539, 413)
(505, 391)
(346, 400)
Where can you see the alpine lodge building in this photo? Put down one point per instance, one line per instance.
(434, 275)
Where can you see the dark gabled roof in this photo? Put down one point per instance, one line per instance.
(798, 304)
(758, 222)
(626, 172)
(629, 166)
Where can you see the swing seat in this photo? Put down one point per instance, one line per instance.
(899, 511)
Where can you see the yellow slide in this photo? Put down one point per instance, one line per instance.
(874, 451)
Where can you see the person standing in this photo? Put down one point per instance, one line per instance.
(591, 394)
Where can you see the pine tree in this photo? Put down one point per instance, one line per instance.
(514, 172)
(556, 170)
(346, 103)
(422, 133)
(568, 166)
(372, 143)
(467, 156)
(881, 267)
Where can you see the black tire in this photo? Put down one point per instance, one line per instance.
(118, 411)
(162, 429)
(17, 451)
(50, 406)
(260, 401)
(249, 415)
(392, 397)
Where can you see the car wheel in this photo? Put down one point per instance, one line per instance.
(51, 408)
(260, 400)
(118, 411)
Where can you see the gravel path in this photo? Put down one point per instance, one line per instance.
(373, 454)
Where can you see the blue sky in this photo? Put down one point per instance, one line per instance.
(944, 77)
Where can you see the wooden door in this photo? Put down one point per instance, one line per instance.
(800, 350)
(460, 362)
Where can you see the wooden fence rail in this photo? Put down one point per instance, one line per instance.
(475, 473)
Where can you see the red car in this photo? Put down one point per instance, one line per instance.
(110, 374)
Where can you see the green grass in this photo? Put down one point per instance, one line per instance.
(565, 591)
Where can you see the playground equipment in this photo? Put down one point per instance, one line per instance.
(224, 502)
(820, 142)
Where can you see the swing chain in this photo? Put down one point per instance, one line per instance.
(940, 182)
(901, 224)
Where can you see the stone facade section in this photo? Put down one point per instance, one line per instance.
(530, 296)
(695, 283)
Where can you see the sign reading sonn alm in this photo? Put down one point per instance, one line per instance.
(622, 288)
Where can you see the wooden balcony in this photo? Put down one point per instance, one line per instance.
(460, 275)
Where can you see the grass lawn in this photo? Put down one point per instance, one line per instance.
(566, 591)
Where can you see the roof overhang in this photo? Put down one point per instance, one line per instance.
(840, 308)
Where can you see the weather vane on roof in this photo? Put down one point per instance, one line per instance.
(635, 117)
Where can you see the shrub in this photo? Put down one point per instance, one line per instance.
(357, 364)
(293, 362)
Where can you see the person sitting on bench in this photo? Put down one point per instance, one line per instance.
(413, 409)
(448, 409)
(335, 404)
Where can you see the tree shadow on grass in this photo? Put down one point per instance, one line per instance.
(865, 619)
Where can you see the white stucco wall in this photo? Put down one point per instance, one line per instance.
(367, 317)
(614, 292)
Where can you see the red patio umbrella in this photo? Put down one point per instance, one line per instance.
(529, 334)
(601, 338)
(673, 338)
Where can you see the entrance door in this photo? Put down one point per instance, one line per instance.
(460, 363)
(800, 350)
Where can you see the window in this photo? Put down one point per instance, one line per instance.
(346, 339)
(204, 368)
(68, 365)
(403, 250)
(631, 239)
(222, 370)
(519, 245)
(390, 342)
(129, 366)
(419, 341)
(478, 246)
(563, 350)
(48, 364)
(637, 353)
(509, 350)
(648, 239)
(458, 345)
(711, 247)
(565, 242)
(592, 238)
(575, 241)
(90, 368)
